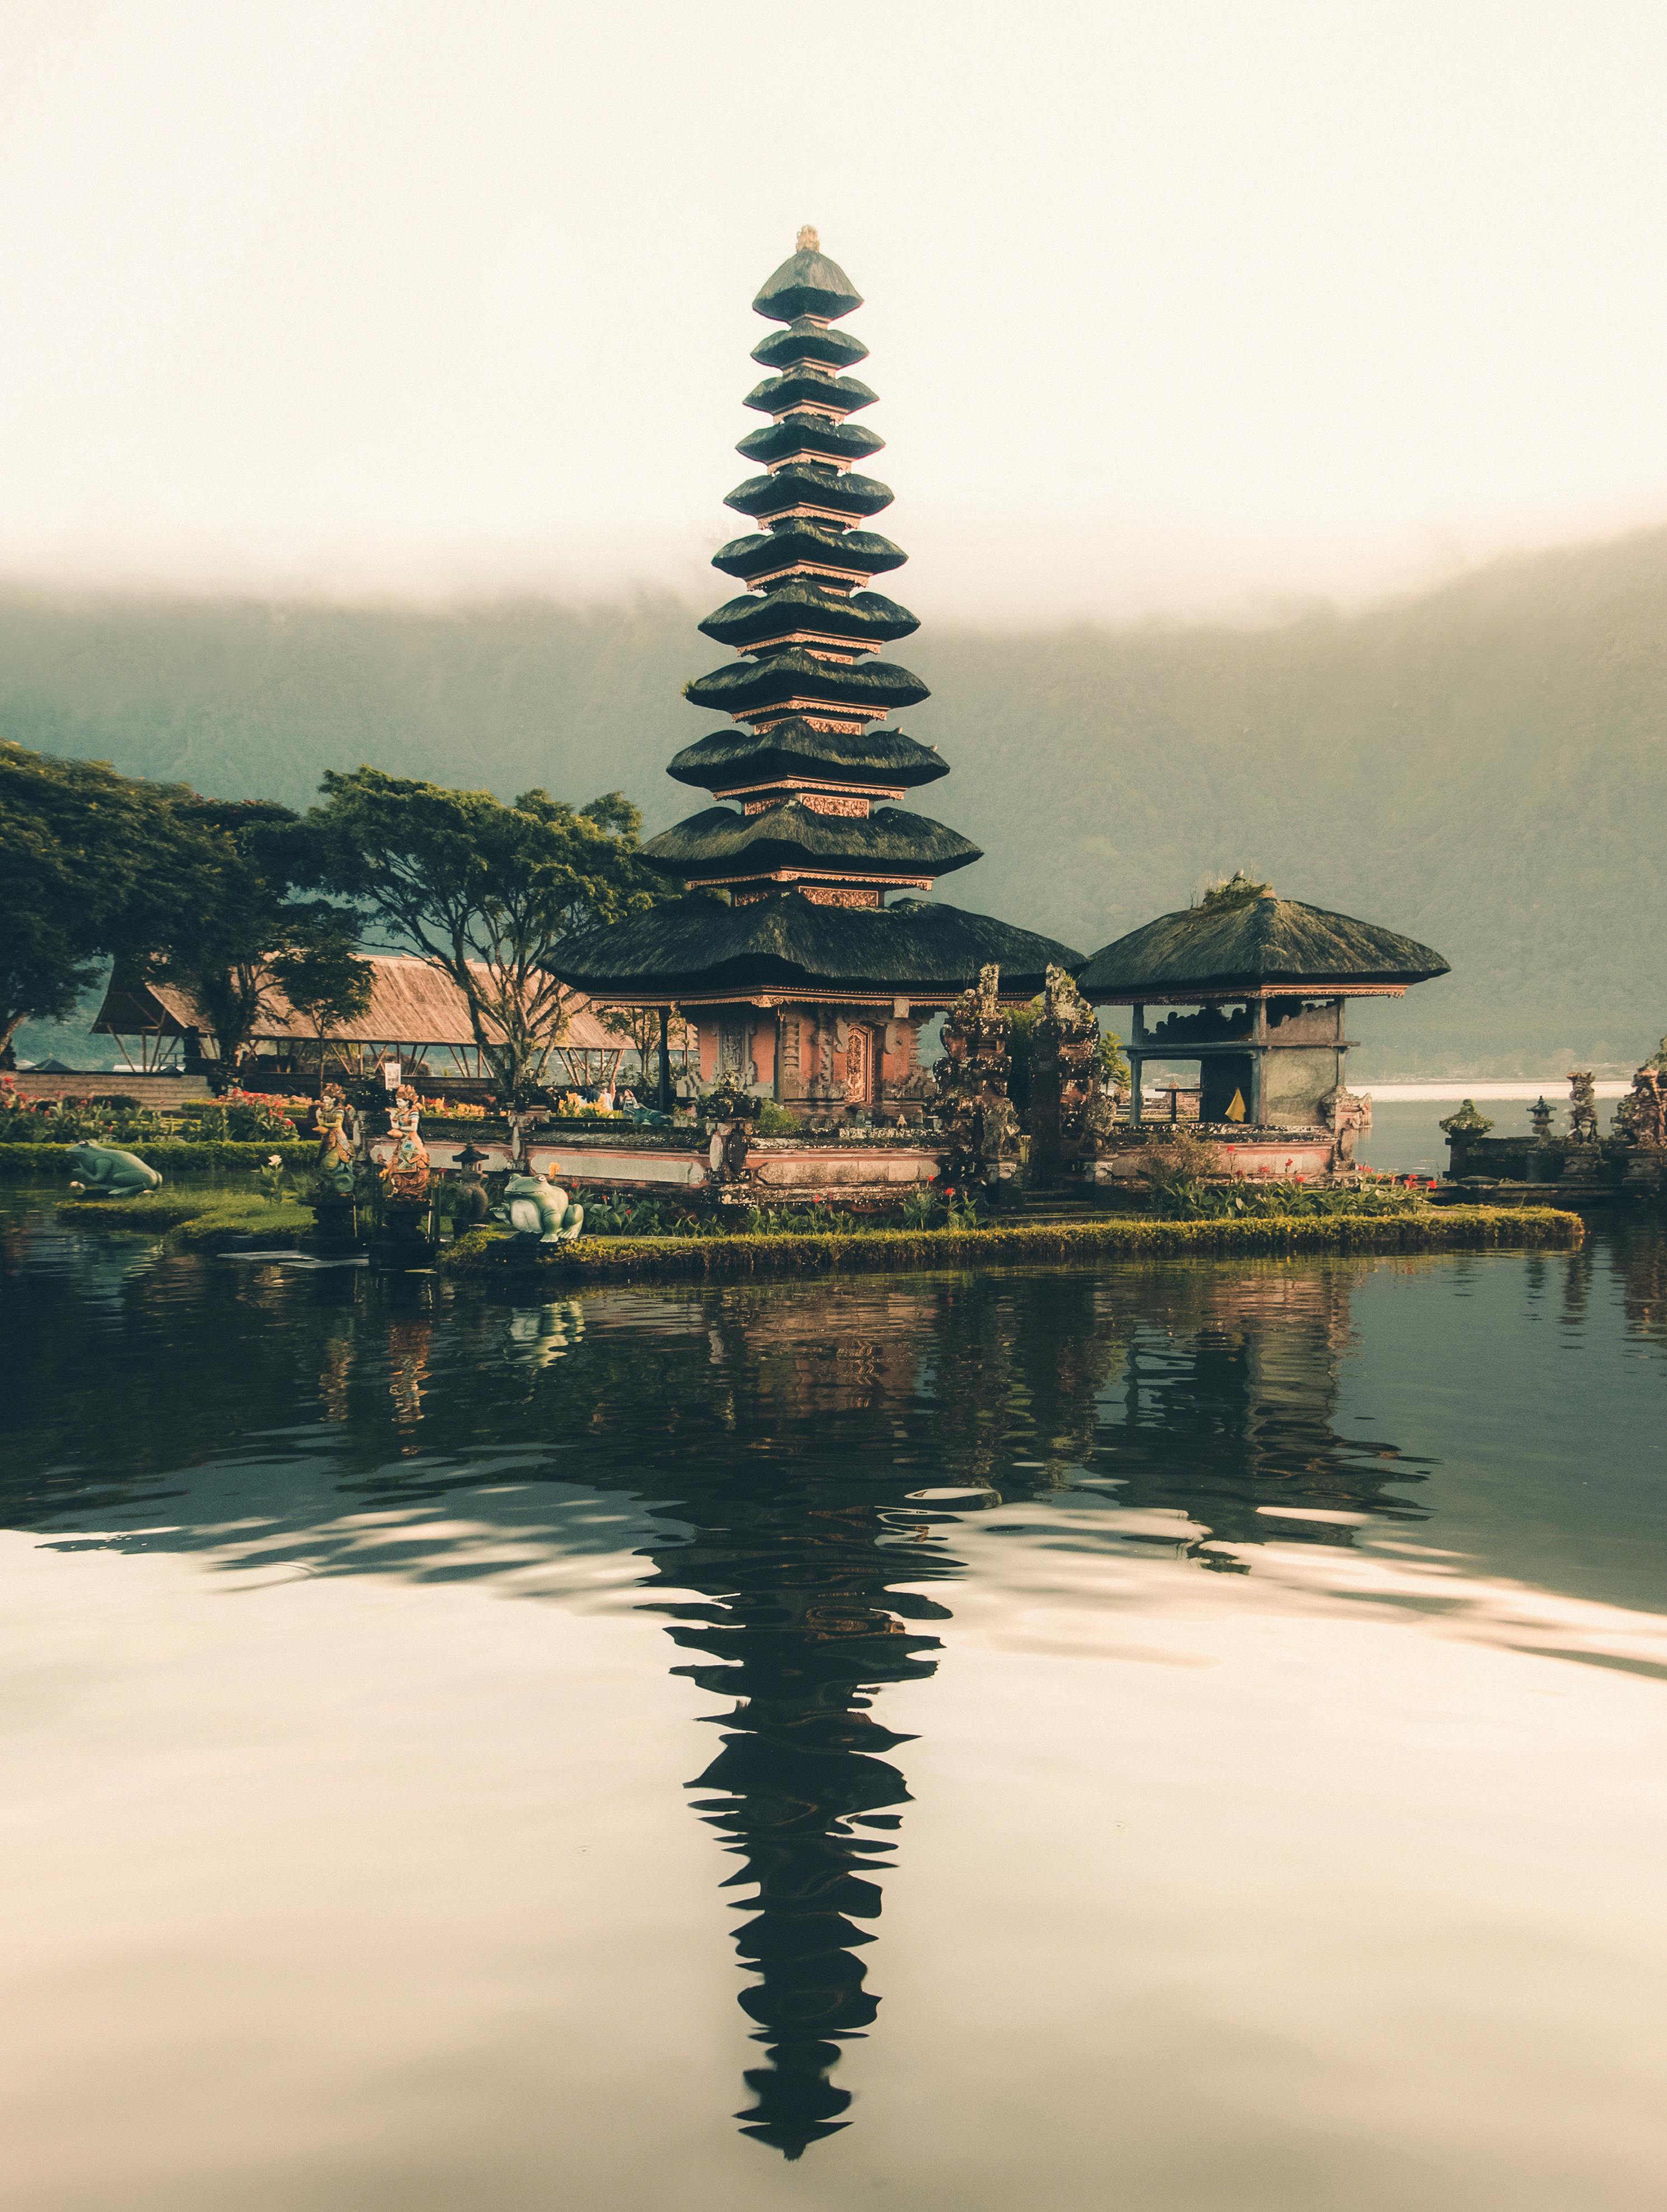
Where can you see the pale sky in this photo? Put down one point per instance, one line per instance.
(1174, 307)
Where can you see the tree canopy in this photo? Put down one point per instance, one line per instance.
(95, 864)
(484, 892)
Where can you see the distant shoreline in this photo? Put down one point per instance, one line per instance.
(1436, 1090)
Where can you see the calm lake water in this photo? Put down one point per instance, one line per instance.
(1184, 1737)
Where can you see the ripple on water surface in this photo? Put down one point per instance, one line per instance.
(1185, 1735)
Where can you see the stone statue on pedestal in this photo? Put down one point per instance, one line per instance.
(534, 1206)
(1582, 1110)
(110, 1174)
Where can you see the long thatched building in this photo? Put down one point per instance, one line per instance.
(415, 1015)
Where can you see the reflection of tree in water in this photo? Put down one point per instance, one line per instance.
(796, 1444)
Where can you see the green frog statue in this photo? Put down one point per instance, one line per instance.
(534, 1206)
(111, 1174)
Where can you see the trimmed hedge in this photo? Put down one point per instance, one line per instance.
(174, 1152)
(489, 1252)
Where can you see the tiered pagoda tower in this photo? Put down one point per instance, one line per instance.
(802, 953)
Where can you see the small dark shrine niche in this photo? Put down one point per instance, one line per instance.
(1209, 1025)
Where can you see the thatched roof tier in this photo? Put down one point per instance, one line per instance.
(812, 435)
(735, 760)
(856, 553)
(799, 606)
(810, 483)
(410, 1004)
(888, 843)
(802, 387)
(1254, 946)
(806, 284)
(699, 949)
(806, 339)
(748, 687)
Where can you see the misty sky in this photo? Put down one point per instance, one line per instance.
(1172, 306)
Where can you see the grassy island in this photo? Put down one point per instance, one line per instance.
(494, 1254)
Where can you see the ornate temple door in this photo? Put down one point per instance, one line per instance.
(859, 1066)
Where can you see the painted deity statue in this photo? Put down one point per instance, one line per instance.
(405, 1178)
(534, 1206)
(333, 1119)
(111, 1174)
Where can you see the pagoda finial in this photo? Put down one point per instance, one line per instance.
(808, 241)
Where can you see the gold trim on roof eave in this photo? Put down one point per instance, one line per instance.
(865, 881)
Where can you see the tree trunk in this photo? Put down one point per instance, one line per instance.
(9, 1025)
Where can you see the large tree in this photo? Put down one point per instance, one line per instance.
(323, 980)
(92, 865)
(261, 897)
(484, 892)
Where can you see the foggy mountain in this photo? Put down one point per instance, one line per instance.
(1481, 766)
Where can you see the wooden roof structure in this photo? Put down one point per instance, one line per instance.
(413, 1008)
(1250, 944)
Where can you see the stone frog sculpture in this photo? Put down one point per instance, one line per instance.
(110, 1173)
(535, 1207)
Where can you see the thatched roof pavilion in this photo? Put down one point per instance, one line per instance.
(1269, 978)
(415, 1013)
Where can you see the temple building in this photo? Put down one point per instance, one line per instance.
(802, 952)
(1256, 988)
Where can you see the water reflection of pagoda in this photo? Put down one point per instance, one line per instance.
(814, 1453)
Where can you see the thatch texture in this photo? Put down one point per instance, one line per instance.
(887, 843)
(776, 394)
(806, 432)
(806, 284)
(867, 618)
(410, 1004)
(806, 340)
(810, 483)
(1235, 944)
(911, 949)
(884, 687)
(864, 552)
(732, 757)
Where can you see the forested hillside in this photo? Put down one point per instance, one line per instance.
(1483, 767)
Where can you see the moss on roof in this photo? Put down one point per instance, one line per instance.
(914, 947)
(887, 843)
(1239, 943)
(796, 603)
(732, 757)
(743, 686)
